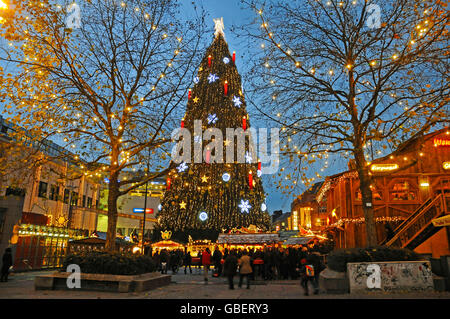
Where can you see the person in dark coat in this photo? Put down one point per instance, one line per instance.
(7, 263)
(230, 268)
(187, 261)
(217, 259)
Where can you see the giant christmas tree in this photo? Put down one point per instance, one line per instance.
(210, 195)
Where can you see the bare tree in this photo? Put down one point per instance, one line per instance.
(104, 78)
(349, 78)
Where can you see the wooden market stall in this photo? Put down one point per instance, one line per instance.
(248, 241)
(410, 187)
(167, 245)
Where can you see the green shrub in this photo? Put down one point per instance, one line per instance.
(338, 259)
(111, 263)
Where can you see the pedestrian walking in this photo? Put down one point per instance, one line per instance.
(7, 263)
(206, 262)
(230, 268)
(217, 259)
(187, 262)
(245, 269)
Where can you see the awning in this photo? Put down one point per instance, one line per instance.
(441, 221)
(298, 241)
(248, 239)
(167, 244)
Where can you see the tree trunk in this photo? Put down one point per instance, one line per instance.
(113, 194)
(366, 193)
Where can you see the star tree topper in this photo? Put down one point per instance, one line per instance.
(219, 26)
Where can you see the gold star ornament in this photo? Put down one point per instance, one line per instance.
(183, 205)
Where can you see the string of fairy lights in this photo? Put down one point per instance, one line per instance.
(215, 195)
(72, 122)
(418, 32)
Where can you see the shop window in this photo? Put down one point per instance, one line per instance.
(376, 194)
(42, 189)
(402, 191)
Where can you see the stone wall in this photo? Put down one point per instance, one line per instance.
(399, 276)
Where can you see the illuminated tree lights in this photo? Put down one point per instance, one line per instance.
(210, 195)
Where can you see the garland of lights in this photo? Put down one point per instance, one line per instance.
(361, 220)
(215, 195)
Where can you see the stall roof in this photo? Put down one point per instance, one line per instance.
(167, 243)
(298, 240)
(98, 240)
(248, 238)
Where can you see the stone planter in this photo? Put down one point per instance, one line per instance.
(400, 276)
(101, 282)
(333, 282)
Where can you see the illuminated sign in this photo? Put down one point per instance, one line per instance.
(295, 220)
(383, 167)
(141, 210)
(446, 165)
(441, 141)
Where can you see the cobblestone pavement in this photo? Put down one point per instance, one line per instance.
(192, 286)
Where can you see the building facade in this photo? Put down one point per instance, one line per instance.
(309, 214)
(410, 188)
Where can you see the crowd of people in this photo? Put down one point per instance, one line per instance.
(303, 262)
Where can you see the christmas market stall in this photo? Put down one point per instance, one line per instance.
(248, 240)
(410, 188)
(96, 242)
(167, 244)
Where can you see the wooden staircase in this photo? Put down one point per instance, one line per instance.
(418, 227)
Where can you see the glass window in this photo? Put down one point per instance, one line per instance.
(376, 194)
(84, 201)
(13, 191)
(66, 196)
(89, 202)
(74, 200)
(54, 192)
(402, 191)
(42, 189)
